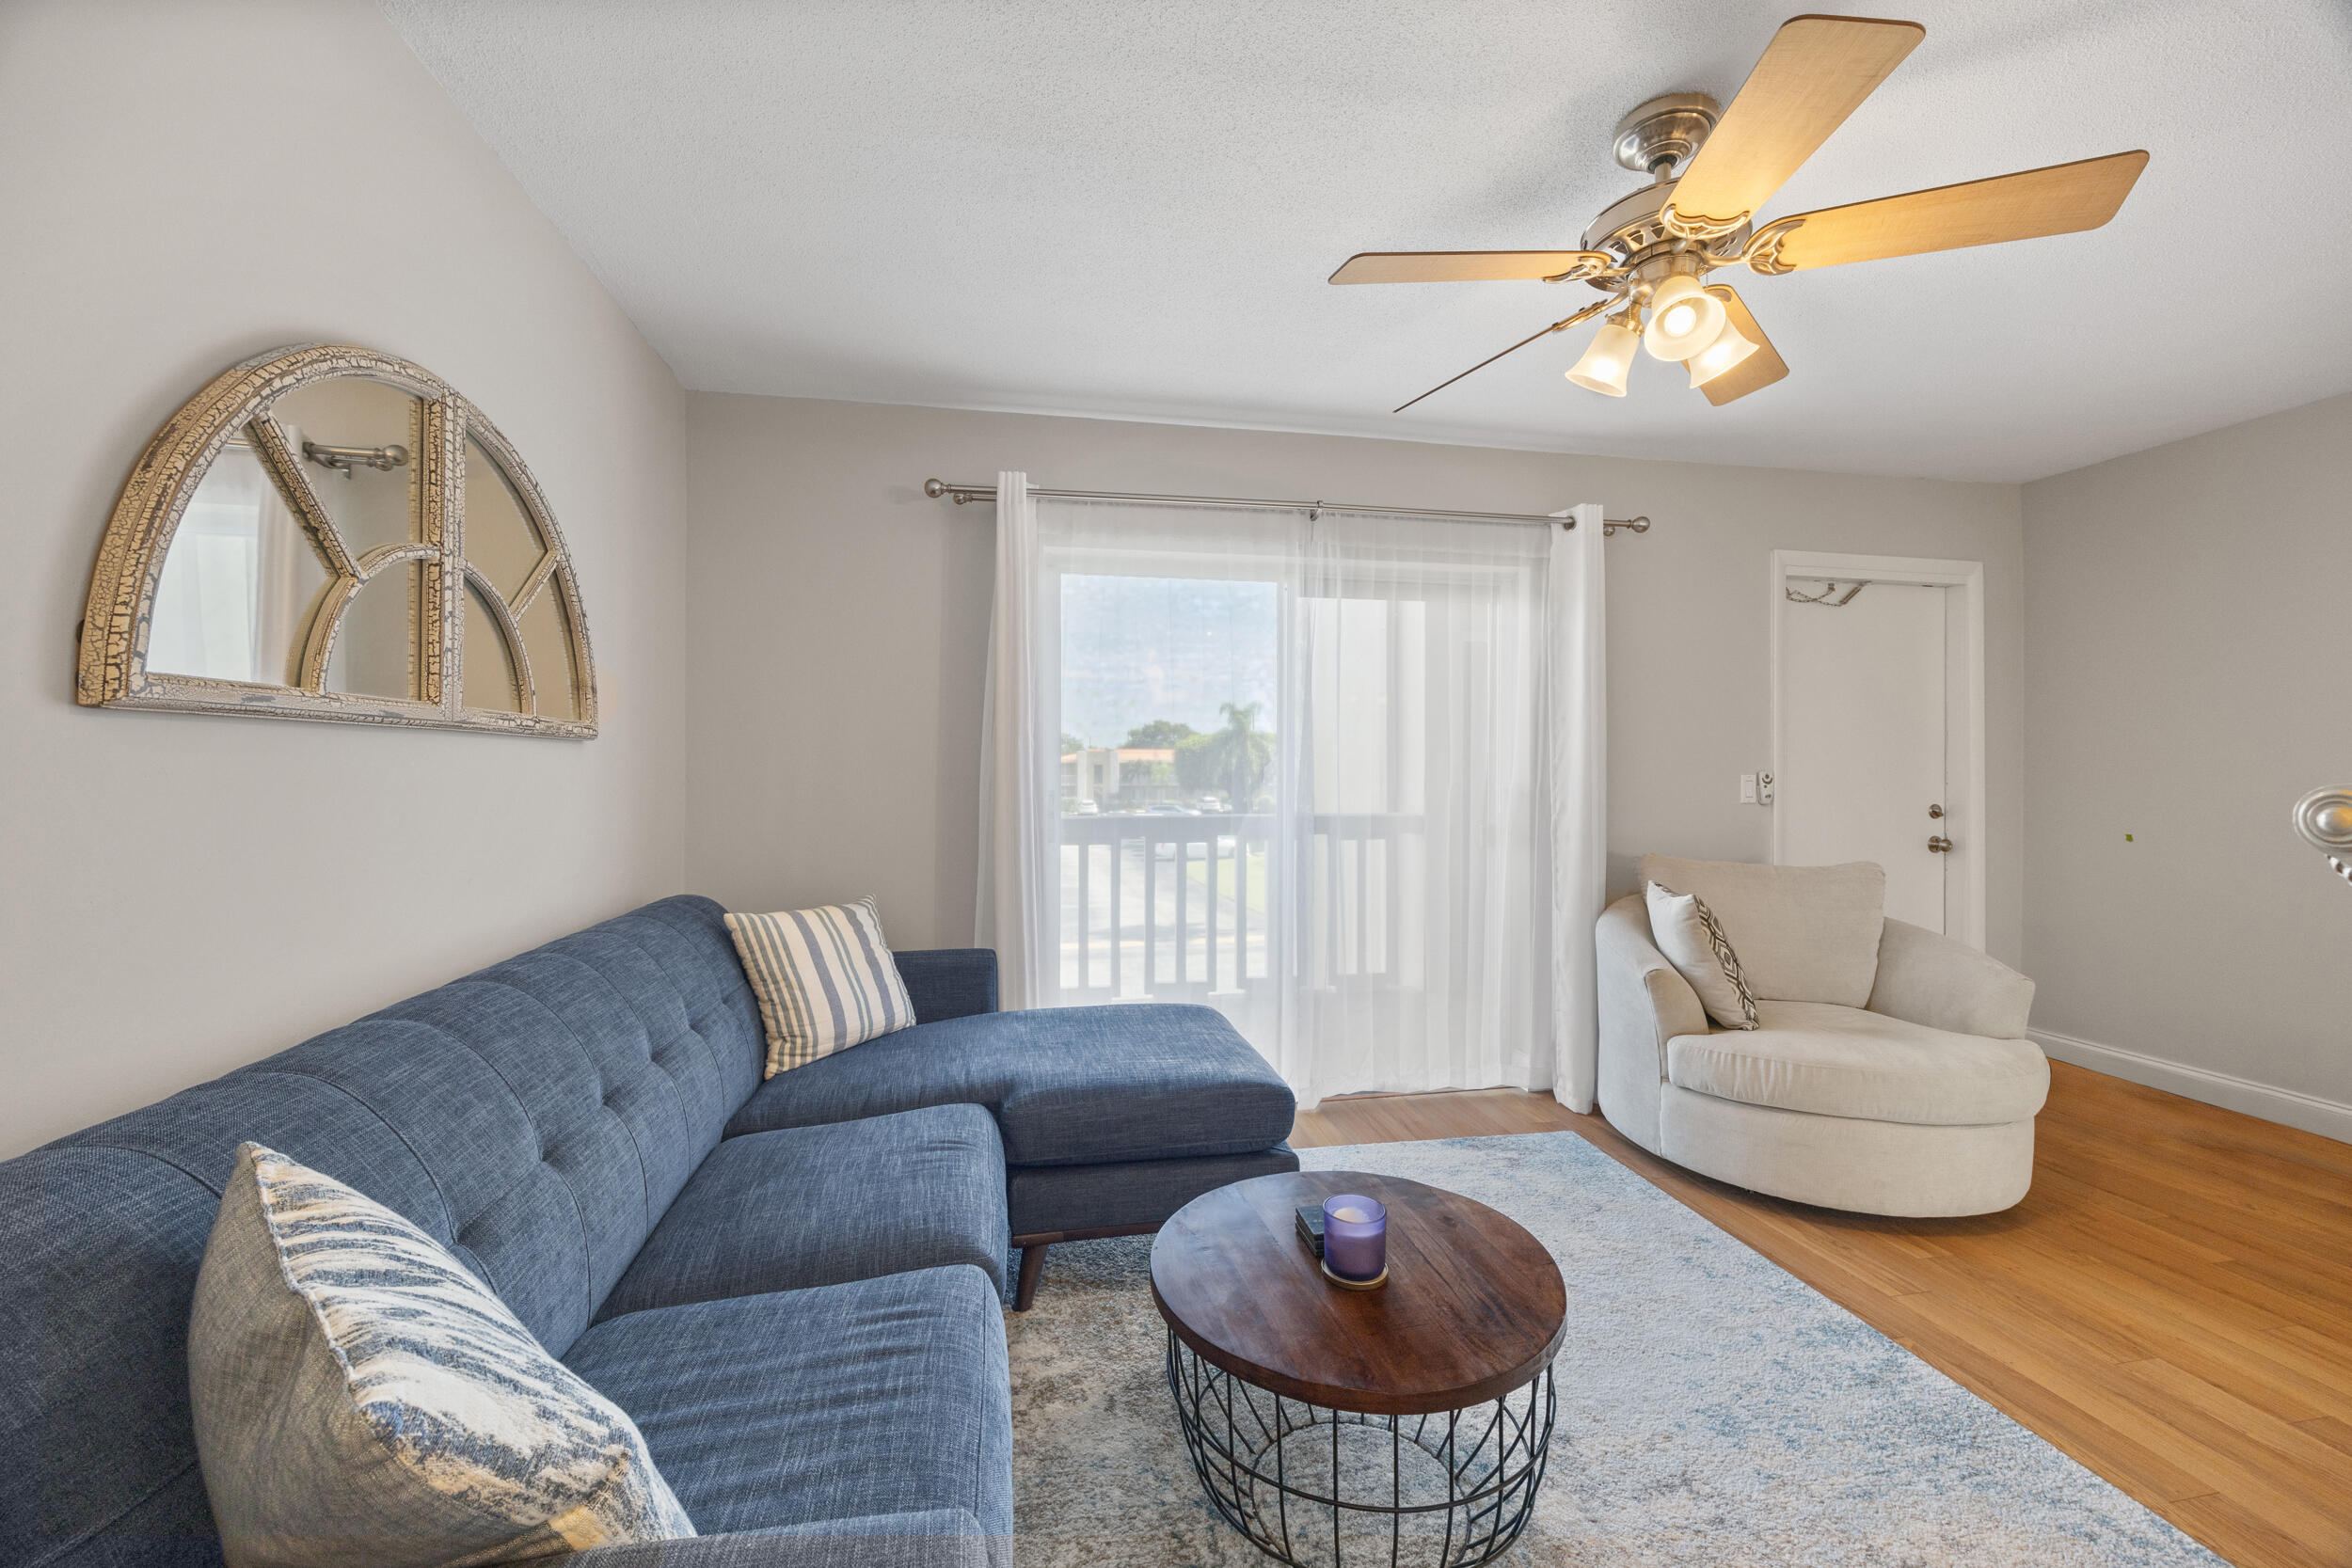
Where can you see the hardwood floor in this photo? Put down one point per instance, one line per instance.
(2171, 1304)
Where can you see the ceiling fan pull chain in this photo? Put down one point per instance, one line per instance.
(1560, 326)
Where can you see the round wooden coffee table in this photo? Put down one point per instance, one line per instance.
(1408, 1423)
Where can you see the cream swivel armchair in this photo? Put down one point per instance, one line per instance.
(1888, 1075)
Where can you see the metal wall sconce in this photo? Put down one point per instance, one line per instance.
(2323, 818)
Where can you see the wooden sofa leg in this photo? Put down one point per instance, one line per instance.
(1032, 1269)
(1033, 1247)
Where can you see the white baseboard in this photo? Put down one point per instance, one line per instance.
(2329, 1119)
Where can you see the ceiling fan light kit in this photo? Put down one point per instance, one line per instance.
(1683, 318)
(1730, 349)
(1609, 357)
(1712, 170)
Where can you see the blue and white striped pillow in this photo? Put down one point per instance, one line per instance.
(360, 1398)
(824, 978)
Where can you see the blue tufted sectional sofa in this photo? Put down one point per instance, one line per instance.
(794, 1287)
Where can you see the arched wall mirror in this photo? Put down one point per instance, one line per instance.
(328, 532)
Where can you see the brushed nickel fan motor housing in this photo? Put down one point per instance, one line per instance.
(1658, 139)
(1667, 129)
(1630, 230)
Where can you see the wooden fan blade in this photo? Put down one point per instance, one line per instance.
(2063, 198)
(1468, 266)
(1759, 370)
(1815, 73)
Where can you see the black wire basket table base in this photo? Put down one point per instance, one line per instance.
(1318, 1487)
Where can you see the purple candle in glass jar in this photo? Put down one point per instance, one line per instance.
(1355, 1236)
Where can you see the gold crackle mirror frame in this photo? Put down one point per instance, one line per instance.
(276, 552)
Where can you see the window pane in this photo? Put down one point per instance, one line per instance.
(1168, 765)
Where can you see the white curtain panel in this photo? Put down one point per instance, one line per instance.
(1578, 740)
(1420, 812)
(1014, 912)
(1304, 772)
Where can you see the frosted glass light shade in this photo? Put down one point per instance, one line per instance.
(1683, 318)
(1605, 363)
(1730, 347)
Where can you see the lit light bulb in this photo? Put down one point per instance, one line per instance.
(1684, 318)
(1605, 363)
(1730, 347)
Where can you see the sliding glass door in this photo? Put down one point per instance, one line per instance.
(1300, 780)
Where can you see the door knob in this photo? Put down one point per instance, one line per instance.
(1935, 811)
(1939, 845)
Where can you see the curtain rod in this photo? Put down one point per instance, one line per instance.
(959, 493)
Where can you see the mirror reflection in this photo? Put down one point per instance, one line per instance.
(502, 542)
(241, 581)
(357, 439)
(489, 674)
(547, 640)
(379, 648)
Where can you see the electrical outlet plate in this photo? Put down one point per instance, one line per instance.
(1747, 789)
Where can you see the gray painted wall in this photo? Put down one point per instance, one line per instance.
(186, 186)
(841, 621)
(2189, 625)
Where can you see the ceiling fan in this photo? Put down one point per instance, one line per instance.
(1710, 169)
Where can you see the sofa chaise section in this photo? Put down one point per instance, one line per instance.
(1112, 1118)
(1068, 1085)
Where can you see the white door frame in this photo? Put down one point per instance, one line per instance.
(1968, 577)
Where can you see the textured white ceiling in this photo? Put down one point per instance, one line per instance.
(1089, 207)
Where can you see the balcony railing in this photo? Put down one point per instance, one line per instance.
(1169, 907)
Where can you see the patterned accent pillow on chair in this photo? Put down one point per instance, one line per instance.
(1688, 933)
(361, 1398)
(824, 978)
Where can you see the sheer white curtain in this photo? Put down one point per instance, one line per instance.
(1017, 800)
(1579, 745)
(1420, 808)
(1304, 769)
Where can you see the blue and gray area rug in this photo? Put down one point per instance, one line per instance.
(1713, 1408)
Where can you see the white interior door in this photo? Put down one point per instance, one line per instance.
(1864, 737)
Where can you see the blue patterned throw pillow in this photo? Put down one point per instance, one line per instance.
(361, 1398)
